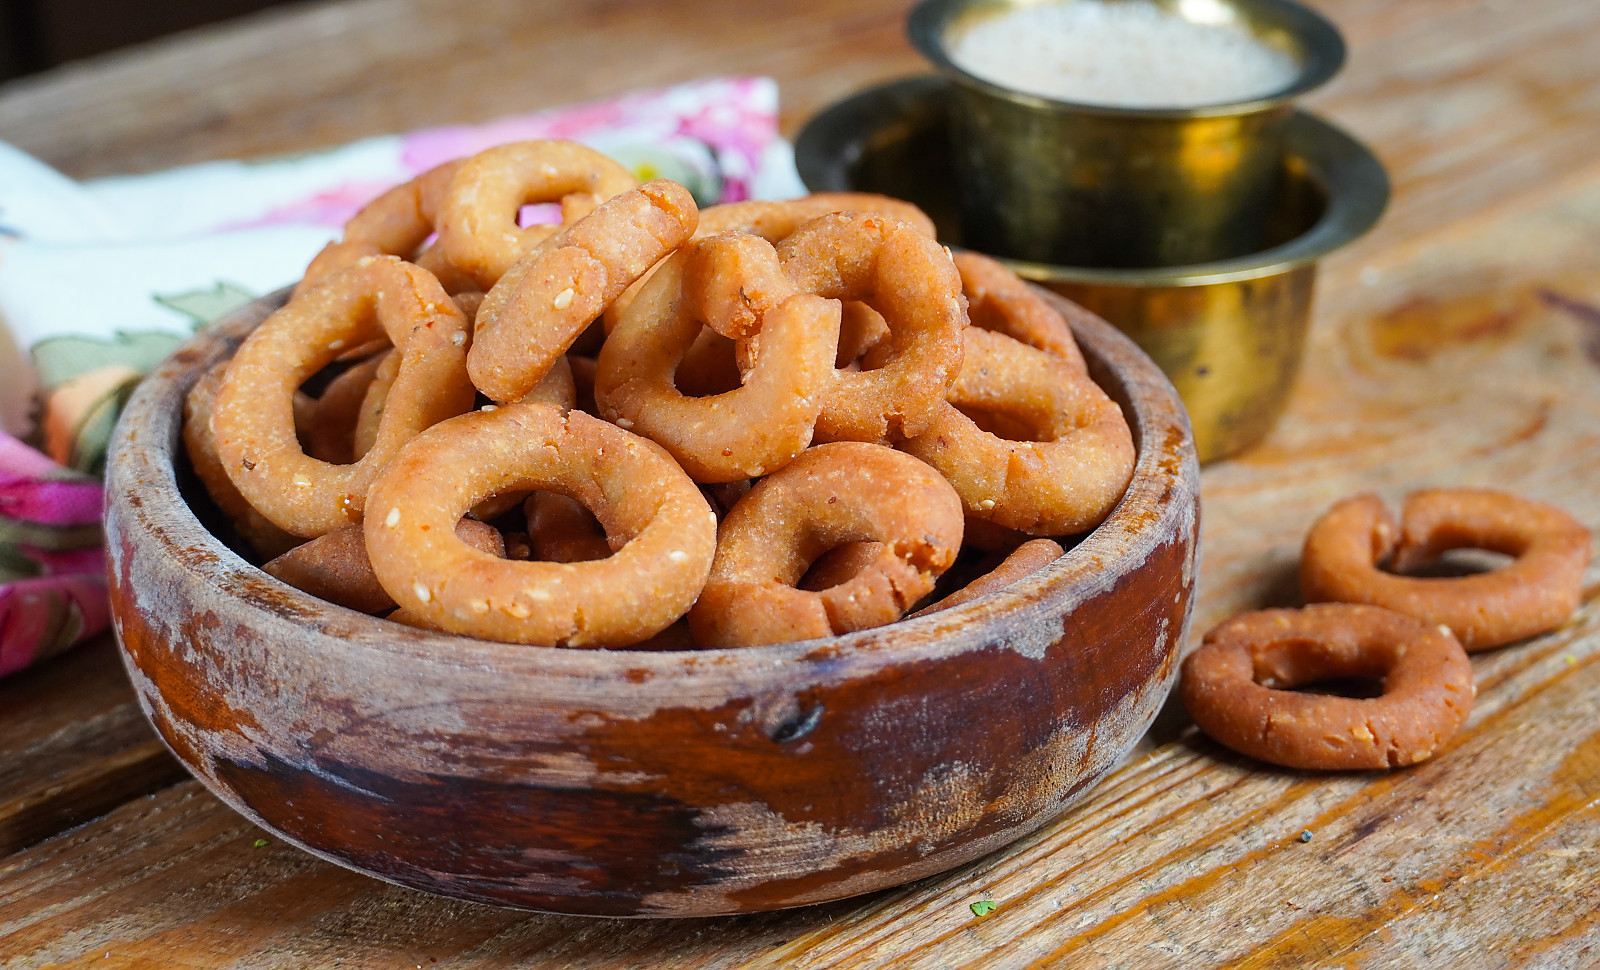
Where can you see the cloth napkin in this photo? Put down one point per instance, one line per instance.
(100, 280)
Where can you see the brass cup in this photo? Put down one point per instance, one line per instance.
(1229, 333)
(1089, 185)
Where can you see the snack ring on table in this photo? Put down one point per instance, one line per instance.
(664, 531)
(844, 492)
(1236, 687)
(254, 423)
(1078, 455)
(478, 215)
(335, 567)
(1025, 560)
(396, 223)
(910, 280)
(999, 300)
(1534, 594)
(201, 445)
(543, 303)
(742, 433)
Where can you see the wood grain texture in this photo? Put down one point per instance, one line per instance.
(73, 745)
(1459, 343)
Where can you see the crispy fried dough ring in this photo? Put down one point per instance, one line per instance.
(396, 223)
(1025, 560)
(832, 494)
(478, 230)
(773, 221)
(1067, 480)
(335, 566)
(254, 422)
(1535, 593)
(746, 432)
(998, 300)
(1231, 686)
(201, 444)
(545, 302)
(910, 280)
(665, 530)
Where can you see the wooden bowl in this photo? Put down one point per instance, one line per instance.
(639, 783)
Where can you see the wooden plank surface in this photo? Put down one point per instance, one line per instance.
(1458, 344)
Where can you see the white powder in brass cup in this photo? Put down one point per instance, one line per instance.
(1123, 53)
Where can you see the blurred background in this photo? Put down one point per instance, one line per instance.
(39, 34)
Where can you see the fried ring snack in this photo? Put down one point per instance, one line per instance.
(335, 566)
(1236, 687)
(773, 221)
(478, 229)
(396, 223)
(1025, 560)
(254, 423)
(1072, 472)
(201, 445)
(998, 300)
(832, 494)
(911, 281)
(743, 433)
(664, 532)
(543, 303)
(1534, 594)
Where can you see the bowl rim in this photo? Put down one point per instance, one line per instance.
(143, 488)
(1351, 176)
(1319, 51)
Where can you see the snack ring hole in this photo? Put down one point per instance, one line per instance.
(1454, 563)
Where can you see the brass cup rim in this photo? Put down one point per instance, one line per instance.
(1318, 46)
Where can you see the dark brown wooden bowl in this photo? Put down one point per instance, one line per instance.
(640, 783)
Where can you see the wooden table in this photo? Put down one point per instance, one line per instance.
(1459, 343)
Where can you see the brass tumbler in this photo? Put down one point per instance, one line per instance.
(1228, 333)
(1088, 185)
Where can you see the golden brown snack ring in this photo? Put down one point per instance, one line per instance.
(201, 445)
(335, 566)
(396, 223)
(664, 531)
(547, 300)
(478, 229)
(911, 281)
(998, 300)
(1025, 560)
(1235, 687)
(253, 421)
(1534, 594)
(831, 495)
(773, 221)
(1072, 471)
(743, 433)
